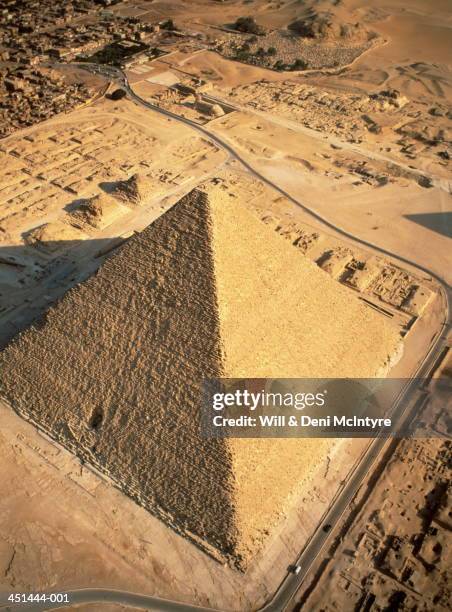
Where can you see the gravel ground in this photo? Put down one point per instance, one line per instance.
(287, 49)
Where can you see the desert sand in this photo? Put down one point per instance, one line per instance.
(365, 145)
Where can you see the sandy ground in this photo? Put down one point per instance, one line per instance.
(50, 172)
(344, 172)
(205, 64)
(49, 169)
(297, 526)
(400, 216)
(399, 545)
(372, 177)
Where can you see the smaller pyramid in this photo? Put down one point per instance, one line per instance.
(134, 190)
(92, 211)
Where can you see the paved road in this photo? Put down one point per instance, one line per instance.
(86, 596)
(402, 412)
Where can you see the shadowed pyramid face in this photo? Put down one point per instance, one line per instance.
(115, 372)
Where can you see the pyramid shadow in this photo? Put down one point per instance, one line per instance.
(75, 204)
(22, 268)
(109, 187)
(440, 222)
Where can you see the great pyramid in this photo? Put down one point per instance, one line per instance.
(114, 371)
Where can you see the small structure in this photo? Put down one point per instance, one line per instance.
(207, 108)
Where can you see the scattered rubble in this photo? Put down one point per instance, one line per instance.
(318, 40)
(385, 118)
(53, 236)
(396, 555)
(284, 50)
(97, 211)
(374, 276)
(325, 26)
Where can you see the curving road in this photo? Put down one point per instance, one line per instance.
(402, 411)
(87, 596)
